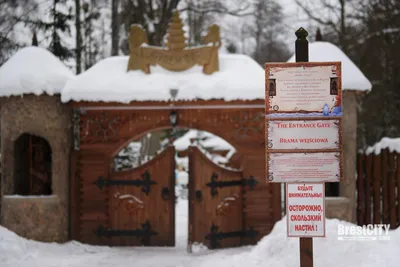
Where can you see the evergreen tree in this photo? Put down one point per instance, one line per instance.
(59, 25)
(90, 47)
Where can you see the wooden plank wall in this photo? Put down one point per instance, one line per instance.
(378, 189)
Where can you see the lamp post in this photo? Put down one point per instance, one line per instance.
(173, 116)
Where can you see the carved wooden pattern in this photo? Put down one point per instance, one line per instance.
(249, 124)
(224, 208)
(128, 202)
(112, 127)
(177, 57)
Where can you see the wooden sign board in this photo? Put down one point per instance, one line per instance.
(304, 87)
(305, 209)
(303, 133)
(304, 167)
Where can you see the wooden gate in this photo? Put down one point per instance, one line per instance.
(141, 204)
(215, 204)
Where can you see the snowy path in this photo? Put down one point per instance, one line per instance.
(15, 251)
(274, 250)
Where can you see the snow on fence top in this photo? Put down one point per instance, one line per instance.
(352, 77)
(239, 77)
(393, 144)
(33, 70)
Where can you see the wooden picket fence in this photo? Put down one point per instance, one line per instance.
(378, 189)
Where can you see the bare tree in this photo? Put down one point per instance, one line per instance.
(155, 15)
(334, 16)
(267, 29)
(379, 57)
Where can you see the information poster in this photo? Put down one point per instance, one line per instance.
(308, 87)
(304, 167)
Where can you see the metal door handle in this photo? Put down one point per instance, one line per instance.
(165, 193)
(199, 195)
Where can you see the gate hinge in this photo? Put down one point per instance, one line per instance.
(251, 182)
(144, 233)
(145, 182)
(215, 235)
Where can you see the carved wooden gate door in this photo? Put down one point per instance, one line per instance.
(215, 203)
(141, 204)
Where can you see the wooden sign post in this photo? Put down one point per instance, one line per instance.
(304, 139)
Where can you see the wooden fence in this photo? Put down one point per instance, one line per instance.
(378, 189)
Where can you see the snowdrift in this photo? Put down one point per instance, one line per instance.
(273, 250)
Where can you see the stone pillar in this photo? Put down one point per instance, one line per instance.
(349, 125)
(42, 218)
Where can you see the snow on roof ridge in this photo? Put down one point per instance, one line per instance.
(239, 77)
(393, 144)
(33, 70)
(352, 77)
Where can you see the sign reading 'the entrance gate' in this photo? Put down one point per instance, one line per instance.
(305, 209)
(303, 134)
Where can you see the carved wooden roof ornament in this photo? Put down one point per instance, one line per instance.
(176, 56)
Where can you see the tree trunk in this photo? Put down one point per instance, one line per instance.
(114, 28)
(343, 26)
(78, 40)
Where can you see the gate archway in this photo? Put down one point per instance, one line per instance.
(104, 129)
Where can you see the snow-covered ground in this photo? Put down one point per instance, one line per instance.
(273, 250)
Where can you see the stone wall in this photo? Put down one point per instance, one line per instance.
(39, 218)
(338, 207)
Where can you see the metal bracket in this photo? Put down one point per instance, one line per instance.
(214, 184)
(145, 182)
(144, 233)
(215, 235)
(76, 128)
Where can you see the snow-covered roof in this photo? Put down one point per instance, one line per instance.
(352, 77)
(393, 144)
(33, 70)
(239, 77)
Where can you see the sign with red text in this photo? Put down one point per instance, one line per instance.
(304, 167)
(303, 134)
(303, 86)
(305, 209)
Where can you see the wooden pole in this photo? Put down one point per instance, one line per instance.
(306, 243)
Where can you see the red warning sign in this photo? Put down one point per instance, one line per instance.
(305, 209)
